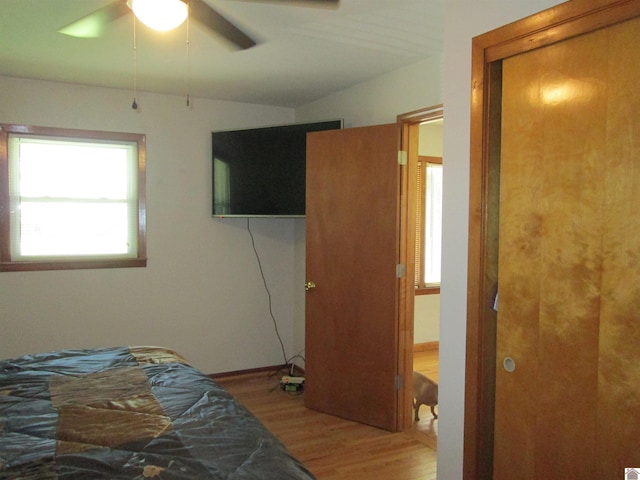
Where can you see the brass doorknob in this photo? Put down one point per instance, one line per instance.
(309, 286)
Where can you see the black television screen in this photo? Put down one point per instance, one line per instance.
(261, 172)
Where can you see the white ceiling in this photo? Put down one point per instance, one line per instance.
(303, 53)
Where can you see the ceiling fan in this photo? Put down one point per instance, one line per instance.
(93, 24)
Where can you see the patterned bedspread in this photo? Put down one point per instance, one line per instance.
(128, 413)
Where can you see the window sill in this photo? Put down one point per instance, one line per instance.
(435, 290)
(71, 265)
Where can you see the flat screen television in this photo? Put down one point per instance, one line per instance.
(261, 172)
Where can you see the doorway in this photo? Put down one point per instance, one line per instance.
(340, 312)
(421, 133)
(568, 21)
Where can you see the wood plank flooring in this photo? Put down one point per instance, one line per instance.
(334, 448)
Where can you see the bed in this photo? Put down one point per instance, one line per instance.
(129, 413)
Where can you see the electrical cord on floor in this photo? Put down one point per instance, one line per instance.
(266, 287)
(289, 367)
(292, 365)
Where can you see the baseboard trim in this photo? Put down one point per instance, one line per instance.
(284, 369)
(425, 347)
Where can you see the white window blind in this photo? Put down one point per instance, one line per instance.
(433, 224)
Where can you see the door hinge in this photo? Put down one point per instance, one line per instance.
(399, 382)
(402, 157)
(401, 270)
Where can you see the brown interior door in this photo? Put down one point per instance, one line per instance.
(569, 260)
(352, 249)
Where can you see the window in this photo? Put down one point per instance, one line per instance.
(429, 223)
(71, 199)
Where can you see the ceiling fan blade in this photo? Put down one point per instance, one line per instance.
(93, 25)
(211, 19)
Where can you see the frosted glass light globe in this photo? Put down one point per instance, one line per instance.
(160, 15)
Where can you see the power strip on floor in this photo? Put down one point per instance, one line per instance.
(292, 384)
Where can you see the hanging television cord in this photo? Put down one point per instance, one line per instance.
(188, 61)
(266, 287)
(134, 105)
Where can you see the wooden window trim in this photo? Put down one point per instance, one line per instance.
(428, 290)
(6, 262)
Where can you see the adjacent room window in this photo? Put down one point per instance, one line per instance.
(71, 199)
(429, 223)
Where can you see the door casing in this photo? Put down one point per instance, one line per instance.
(409, 127)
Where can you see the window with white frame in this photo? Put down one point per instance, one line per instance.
(71, 199)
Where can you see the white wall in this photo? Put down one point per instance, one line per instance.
(430, 142)
(201, 292)
(426, 322)
(379, 101)
(464, 19)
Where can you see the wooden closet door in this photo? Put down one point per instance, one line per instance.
(569, 260)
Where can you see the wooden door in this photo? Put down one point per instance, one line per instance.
(569, 260)
(352, 249)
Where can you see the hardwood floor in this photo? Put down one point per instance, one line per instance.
(426, 361)
(334, 448)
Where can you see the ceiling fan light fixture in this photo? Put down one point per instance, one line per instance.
(160, 15)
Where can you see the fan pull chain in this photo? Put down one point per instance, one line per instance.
(188, 61)
(134, 105)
